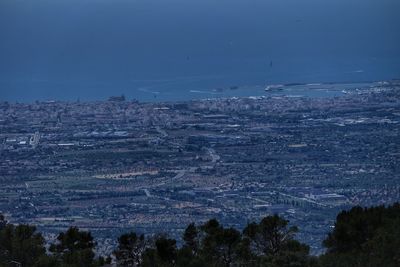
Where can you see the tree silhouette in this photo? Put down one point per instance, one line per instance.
(366, 237)
(269, 236)
(362, 237)
(191, 238)
(162, 253)
(220, 247)
(130, 249)
(3, 221)
(20, 245)
(75, 248)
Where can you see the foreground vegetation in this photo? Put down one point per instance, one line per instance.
(362, 237)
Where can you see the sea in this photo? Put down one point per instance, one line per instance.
(177, 50)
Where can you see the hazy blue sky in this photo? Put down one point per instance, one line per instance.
(90, 48)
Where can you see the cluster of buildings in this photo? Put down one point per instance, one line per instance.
(117, 165)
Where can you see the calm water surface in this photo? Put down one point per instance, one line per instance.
(156, 50)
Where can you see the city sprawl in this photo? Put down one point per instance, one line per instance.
(118, 165)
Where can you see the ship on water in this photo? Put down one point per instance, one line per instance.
(274, 87)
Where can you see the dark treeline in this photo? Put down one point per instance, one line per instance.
(362, 237)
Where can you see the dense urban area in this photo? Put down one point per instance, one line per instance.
(120, 165)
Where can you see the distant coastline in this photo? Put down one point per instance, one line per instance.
(316, 89)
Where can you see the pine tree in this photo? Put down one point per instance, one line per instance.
(20, 245)
(75, 248)
(130, 249)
